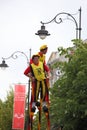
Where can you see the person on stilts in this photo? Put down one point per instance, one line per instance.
(36, 72)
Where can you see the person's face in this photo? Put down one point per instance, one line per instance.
(36, 60)
(45, 51)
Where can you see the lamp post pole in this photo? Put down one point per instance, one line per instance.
(80, 23)
(43, 33)
(15, 56)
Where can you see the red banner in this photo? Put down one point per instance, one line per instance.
(19, 107)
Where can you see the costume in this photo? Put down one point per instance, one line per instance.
(43, 51)
(43, 47)
(38, 72)
(42, 57)
(42, 54)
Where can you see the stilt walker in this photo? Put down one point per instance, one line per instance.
(40, 91)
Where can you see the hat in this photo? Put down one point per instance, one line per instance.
(35, 55)
(43, 47)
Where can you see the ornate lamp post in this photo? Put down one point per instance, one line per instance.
(43, 33)
(14, 55)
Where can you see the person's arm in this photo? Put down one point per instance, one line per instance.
(27, 70)
(28, 73)
(46, 68)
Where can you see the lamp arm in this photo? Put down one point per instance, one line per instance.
(15, 56)
(60, 19)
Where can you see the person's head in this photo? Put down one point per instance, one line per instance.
(35, 58)
(43, 49)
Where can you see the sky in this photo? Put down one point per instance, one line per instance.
(20, 20)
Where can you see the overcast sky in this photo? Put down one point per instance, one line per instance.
(20, 20)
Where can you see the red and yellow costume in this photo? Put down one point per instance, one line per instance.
(38, 72)
(41, 54)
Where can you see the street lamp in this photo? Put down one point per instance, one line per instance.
(14, 55)
(43, 33)
(3, 64)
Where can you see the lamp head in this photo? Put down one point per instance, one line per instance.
(3, 64)
(42, 33)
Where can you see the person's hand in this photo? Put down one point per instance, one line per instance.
(48, 76)
(32, 79)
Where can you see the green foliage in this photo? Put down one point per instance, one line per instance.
(69, 94)
(6, 112)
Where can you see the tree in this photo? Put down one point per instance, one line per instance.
(6, 112)
(69, 94)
